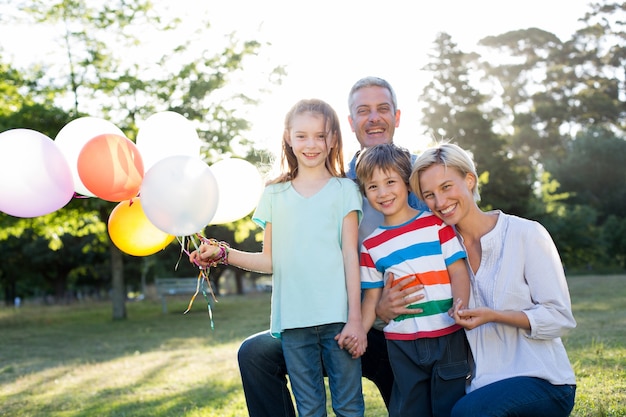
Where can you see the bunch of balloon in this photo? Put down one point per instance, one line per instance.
(35, 177)
(162, 186)
(150, 213)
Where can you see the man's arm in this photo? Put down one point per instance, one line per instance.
(394, 299)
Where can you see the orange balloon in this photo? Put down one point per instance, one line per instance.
(132, 232)
(110, 166)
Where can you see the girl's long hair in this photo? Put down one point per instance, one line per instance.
(288, 160)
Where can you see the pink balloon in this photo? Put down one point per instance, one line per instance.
(35, 178)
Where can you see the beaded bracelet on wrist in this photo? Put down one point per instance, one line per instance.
(224, 248)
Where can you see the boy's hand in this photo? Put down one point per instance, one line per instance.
(353, 339)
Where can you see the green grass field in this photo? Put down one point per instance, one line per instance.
(70, 361)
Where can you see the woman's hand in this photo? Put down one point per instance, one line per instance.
(471, 318)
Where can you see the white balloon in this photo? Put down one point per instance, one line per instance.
(35, 178)
(240, 186)
(74, 135)
(179, 195)
(166, 134)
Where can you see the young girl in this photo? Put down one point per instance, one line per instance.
(310, 215)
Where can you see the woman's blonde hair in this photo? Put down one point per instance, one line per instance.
(450, 156)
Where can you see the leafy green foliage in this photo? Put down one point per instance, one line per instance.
(543, 117)
(95, 71)
(539, 108)
(595, 157)
(452, 110)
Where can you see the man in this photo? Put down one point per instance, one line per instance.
(374, 116)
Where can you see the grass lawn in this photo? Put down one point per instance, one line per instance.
(75, 361)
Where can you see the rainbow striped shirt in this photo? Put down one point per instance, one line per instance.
(422, 247)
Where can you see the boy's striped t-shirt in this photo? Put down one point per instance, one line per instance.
(422, 247)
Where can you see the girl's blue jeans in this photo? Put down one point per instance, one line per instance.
(310, 350)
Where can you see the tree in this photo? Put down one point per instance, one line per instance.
(550, 88)
(21, 273)
(559, 107)
(574, 230)
(592, 172)
(452, 110)
(102, 84)
(571, 226)
(91, 70)
(614, 238)
(41, 253)
(597, 55)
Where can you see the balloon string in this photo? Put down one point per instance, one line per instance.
(208, 303)
(203, 276)
(182, 251)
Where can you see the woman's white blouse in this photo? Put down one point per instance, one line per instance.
(521, 270)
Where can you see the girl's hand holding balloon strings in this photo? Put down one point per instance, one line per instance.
(210, 253)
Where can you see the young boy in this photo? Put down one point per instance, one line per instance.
(427, 350)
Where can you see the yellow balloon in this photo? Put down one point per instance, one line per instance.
(132, 232)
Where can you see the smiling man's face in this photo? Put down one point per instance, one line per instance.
(373, 117)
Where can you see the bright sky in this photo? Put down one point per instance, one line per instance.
(328, 44)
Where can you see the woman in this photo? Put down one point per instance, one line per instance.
(519, 303)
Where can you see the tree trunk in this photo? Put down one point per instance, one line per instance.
(146, 263)
(118, 290)
(239, 280)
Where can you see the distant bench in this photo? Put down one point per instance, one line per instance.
(178, 286)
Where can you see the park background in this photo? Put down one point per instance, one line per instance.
(540, 105)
